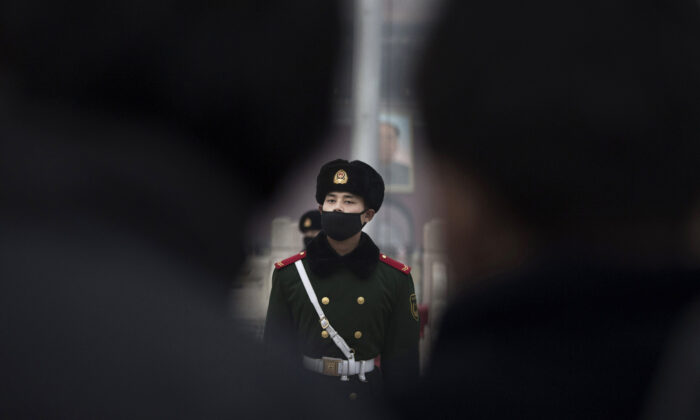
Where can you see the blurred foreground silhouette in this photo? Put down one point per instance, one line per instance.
(567, 139)
(137, 138)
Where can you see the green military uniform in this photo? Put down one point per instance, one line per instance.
(368, 298)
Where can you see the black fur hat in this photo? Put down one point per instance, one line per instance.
(355, 177)
(311, 220)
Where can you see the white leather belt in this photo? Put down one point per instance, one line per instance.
(339, 367)
(329, 365)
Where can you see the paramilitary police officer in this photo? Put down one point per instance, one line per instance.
(340, 305)
(310, 226)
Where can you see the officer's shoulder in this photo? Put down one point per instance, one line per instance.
(291, 260)
(401, 267)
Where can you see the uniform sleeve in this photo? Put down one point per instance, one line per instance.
(400, 352)
(279, 336)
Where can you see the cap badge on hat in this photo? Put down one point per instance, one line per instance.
(340, 177)
(307, 222)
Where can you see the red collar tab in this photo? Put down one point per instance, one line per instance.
(291, 260)
(396, 264)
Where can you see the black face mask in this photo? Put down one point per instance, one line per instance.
(307, 241)
(340, 226)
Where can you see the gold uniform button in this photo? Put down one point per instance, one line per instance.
(383, 256)
(360, 300)
(325, 301)
(358, 334)
(324, 334)
(352, 396)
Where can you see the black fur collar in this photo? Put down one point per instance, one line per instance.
(323, 259)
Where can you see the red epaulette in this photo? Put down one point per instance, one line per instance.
(291, 260)
(396, 264)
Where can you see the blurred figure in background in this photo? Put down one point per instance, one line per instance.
(567, 140)
(310, 225)
(129, 133)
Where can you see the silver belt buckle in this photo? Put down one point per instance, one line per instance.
(324, 323)
(331, 366)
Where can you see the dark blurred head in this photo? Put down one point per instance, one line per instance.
(572, 111)
(239, 77)
(573, 116)
(172, 118)
(136, 138)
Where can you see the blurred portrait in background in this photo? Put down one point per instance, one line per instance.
(396, 152)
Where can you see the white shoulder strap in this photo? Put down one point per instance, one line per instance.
(337, 339)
